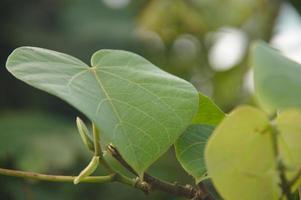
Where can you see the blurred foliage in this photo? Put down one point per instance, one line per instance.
(188, 31)
(177, 35)
(35, 140)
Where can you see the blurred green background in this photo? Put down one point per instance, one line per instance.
(203, 41)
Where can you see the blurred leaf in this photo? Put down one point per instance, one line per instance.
(227, 86)
(216, 13)
(130, 100)
(170, 18)
(209, 113)
(240, 158)
(277, 78)
(296, 4)
(190, 149)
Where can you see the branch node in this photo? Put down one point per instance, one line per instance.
(142, 185)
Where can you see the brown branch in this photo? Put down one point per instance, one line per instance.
(154, 183)
(203, 193)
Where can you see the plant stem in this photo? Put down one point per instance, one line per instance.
(186, 191)
(55, 178)
(284, 184)
(68, 179)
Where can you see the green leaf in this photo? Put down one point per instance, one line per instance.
(240, 159)
(138, 108)
(289, 125)
(277, 78)
(190, 149)
(208, 113)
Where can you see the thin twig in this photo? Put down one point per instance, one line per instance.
(187, 191)
(54, 178)
(68, 179)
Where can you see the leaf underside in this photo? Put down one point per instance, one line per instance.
(138, 108)
(277, 78)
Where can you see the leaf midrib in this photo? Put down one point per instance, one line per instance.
(94, 72)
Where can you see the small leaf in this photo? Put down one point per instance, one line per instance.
(209, 113)
(84, 134)
(139, 108)
(190, 149)
(240, 158)
(277, 78)
(88, 170)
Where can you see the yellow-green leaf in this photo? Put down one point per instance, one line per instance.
(240, 159)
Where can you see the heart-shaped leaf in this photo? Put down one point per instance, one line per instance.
(139, 108)
(209, 113)
(240, 158)
(277, 78)
(240, 154)
(190, 149)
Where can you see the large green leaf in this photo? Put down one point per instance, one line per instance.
(240, 159)
(190, 149)
(277, 78)
(139, 108)
(209, 113)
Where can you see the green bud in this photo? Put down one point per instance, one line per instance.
(84, 134)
